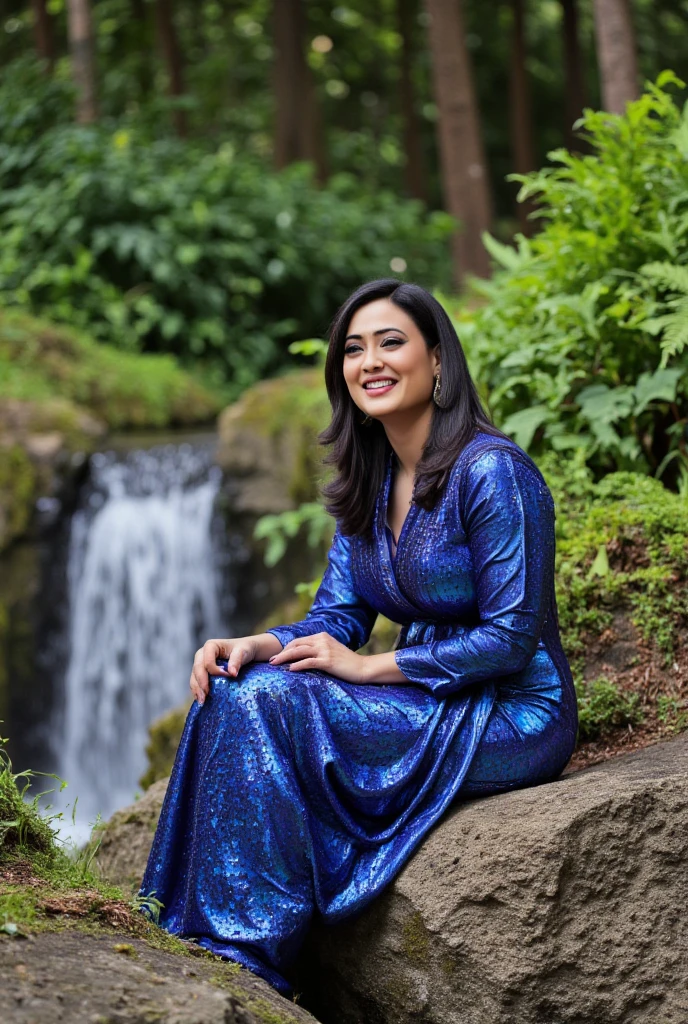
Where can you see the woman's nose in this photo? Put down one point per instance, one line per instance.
(372, 360)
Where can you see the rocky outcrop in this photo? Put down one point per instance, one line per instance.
(125, 840)
(562, 904)
(82, 978)
(559, 904)
(42, 446)
(266, 442)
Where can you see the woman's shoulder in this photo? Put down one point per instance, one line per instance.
(490, 456)
(488, 448)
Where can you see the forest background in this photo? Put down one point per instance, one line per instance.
(192, 188)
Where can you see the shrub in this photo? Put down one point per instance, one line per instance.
(174, 246)
(581, 338)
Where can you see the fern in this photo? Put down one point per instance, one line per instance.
(668, 276)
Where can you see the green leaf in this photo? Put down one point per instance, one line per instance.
(658, 386)
(600, 565)
(523, 424)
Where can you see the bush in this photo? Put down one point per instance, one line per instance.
(169, 246)
(581, 341)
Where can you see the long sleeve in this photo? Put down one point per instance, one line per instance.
(507, 514)
(337, 609)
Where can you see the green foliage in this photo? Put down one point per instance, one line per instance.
(621, 543)
(603, 706)
(21, 824)
(278, 529)
(40, 360)
(582, 337)
(193, 249)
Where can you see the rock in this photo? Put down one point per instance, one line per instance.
(125, 840)
(82, 978)
(558, 904)
(43, 445)
(266, 442)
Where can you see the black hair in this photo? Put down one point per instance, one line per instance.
(360, 451)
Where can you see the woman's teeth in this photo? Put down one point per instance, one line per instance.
(373, 384)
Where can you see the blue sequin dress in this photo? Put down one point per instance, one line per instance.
(294, 792)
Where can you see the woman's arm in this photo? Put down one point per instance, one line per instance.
(337, 609)
(508, 515)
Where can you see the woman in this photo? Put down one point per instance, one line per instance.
(307, 773)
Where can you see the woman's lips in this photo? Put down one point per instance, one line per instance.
(383, 390)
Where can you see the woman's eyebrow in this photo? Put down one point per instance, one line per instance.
(383, 330)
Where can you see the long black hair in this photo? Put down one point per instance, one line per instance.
(360, 451)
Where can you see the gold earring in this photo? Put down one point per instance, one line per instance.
(436, 394)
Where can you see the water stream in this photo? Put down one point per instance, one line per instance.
(144, 563)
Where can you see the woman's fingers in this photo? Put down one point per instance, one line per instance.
(212, 650)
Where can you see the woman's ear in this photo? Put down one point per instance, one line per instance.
(436, 360)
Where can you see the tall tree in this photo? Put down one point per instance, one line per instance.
(616, 53)
(172, 55)
(574, 83)
(298, 128)
(415, 174)
(464, 170)
(80, 31)
(520, 111)
(43, 32)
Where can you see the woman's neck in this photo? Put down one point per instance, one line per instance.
(407, 438)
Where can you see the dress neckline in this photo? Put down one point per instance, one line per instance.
(395, 545)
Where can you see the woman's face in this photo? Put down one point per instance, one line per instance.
(388, 368)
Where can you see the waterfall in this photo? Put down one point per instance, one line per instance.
(143, 574)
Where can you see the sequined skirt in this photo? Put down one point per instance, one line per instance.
(295, 793)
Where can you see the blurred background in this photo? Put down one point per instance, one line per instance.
(188, 190)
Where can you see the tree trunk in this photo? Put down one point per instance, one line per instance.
(520, 111)
(616, 54)
(43, 33)
(573, 71)
(140, 39)
(172, 55)
(464, 169)
(414, 171)
(80, 30)
(298, 128)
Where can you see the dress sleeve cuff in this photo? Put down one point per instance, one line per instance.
(419, 667)
(283, 634)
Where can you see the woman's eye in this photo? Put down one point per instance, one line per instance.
(393, 341)
(351, 349)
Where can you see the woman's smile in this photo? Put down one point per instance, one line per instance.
(379, 385)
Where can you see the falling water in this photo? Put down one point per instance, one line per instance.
(143, 582)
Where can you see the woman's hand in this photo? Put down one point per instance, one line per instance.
(322, 652)
(238, 652)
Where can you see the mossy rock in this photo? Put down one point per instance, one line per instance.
(40, 361)
(268, 442)
(164, 736)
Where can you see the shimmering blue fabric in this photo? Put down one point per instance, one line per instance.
(295, 792)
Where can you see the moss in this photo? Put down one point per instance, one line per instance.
(18, 478)
(602, 706)
(41, 361)
(623, 543)
(164, 736)
(414, 939)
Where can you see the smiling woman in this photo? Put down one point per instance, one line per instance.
(307, 773)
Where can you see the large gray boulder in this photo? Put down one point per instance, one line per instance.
(562, 904)
(109, 978)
